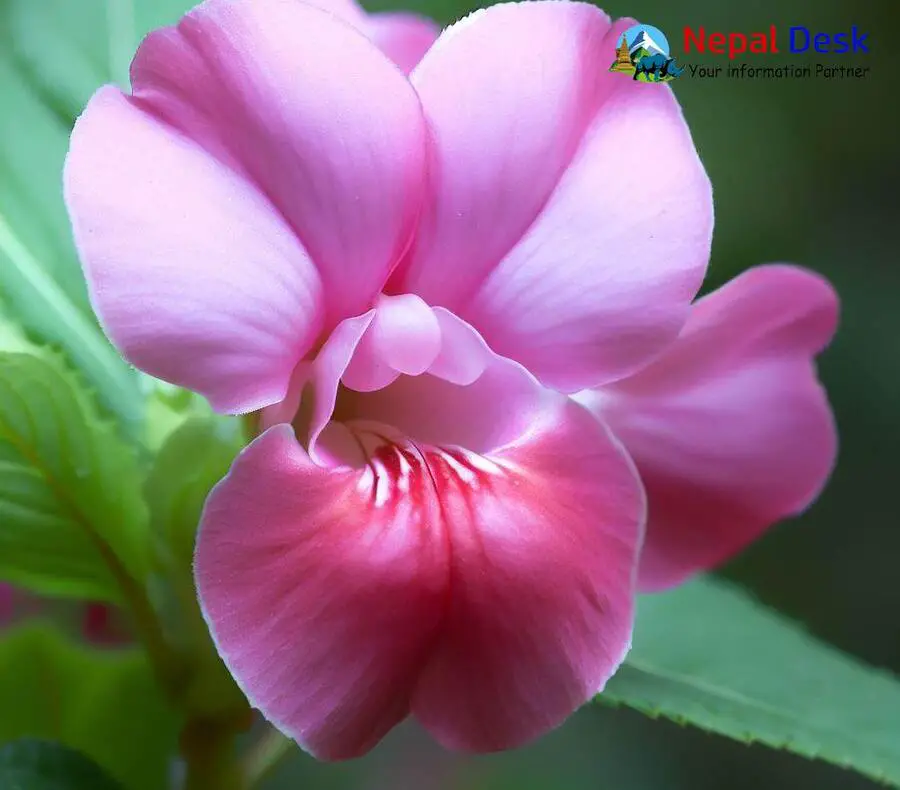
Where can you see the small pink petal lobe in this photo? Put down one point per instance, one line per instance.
(729, 428)
(404, 338)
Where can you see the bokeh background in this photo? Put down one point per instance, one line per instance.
(805, 171)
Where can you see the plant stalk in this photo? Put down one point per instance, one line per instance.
(209, 749)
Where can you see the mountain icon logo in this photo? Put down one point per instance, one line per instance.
(643, 53)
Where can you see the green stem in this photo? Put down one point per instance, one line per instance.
(209, 750)
(265, 755)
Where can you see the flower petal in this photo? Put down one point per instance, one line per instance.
(540, 606)
(729, 428)
(194, 275)
(464, 354)
(322, 607)
(405, 337)
(495, 409)
(403, 37)
(325, 376)
(550, 230)
(494, 593)
(307, 108)
(495, 403)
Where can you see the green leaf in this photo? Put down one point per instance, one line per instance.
(104, 703)
(40, 278)
(169, 407)
(67, 50)
(12, 337)
(193, 459)
(72, 517)
(708, 655)
(30, 764)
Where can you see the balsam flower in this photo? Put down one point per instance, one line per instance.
(99, 624)
(408, 277)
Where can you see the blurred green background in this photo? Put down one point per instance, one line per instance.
(804, 171)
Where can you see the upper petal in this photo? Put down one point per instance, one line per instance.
(404, 37)
(194, 274)
(494, 594)
(730, 428)
(550, 228)
(304, 106)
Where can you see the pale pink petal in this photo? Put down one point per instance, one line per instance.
(194, 275)
(403, 37)
(348, 11)
(496, 402)
(497, 407)
(464, 354)
(303, 105)
(325, 375)
(550, 229)
(404, 337)
(544, 535)
(322, 606)
(493, 594)
(730, 428)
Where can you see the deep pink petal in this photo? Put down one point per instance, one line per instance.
(403, 37)
(494, 593)
(303, 105)
(730, 428)
(194, 274)
(540, 605)
(322, 606)
(550, 229)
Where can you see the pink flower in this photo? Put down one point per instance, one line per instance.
(409, 277)
(100, 624)
(729, 428)
(8, 599)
